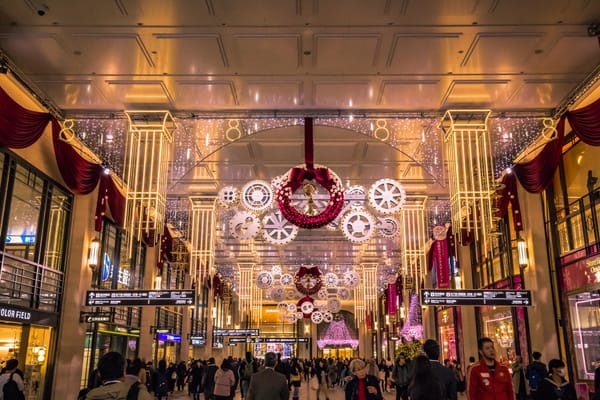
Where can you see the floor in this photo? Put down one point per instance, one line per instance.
(334, 394)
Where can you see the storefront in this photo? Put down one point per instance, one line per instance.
(28, 336)
(580, 280)
(447, 333)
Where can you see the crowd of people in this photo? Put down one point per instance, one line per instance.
(271, 378)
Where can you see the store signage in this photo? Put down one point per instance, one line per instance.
(580, 274)
(168, 337)
(268, 340)
(483, 297)
(139, 297)
(236, 332)
(95, 317)
(19, 314)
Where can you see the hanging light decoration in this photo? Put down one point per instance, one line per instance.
(202, 237)
(413, 218)
(471, 169)
(148, 151)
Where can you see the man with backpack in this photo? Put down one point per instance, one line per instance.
(161, 381)
(11, 383)
(246, 371)
(535, 373)
(208, 380)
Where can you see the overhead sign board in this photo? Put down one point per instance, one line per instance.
(95, 317)
(268, 340)
(515, 298)
(236, 332)
(167, 337)
(139, 297)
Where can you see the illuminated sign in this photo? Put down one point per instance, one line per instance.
(139, 297)
(517, 298)
(269, 340)
(168, 337)
(236, 332)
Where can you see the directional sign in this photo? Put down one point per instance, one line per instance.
(95, 317)
(515, 298)
(139, 297)
(236, 332)
(268, 340)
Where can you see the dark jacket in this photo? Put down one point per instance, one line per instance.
(446, 379)
(370, 380)
(268, 385)
(549, 390)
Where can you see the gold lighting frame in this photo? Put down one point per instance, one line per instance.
(202, 237)
(470, 173)
(147, 154)
(413, 220)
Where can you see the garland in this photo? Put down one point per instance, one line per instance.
(313, 273)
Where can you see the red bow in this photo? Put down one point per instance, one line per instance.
(321, 175)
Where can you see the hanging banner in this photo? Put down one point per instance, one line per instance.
(392, 297)
(440, 257)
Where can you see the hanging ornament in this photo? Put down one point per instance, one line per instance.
(308, 177)
(317, 317)
(257, 195)
(387, 196)
(306, 306)
(286, 280)
(264, 280)
(228, 196)
(308, 280)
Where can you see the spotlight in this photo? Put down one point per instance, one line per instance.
(3, 68)
(593, 30)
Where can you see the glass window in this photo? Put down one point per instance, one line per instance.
(584, 310)
(24, 214)
(58, 219)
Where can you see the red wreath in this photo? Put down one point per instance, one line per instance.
(313, 273)
(324, 178)
(304, 300)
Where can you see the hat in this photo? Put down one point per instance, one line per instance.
(432, 349)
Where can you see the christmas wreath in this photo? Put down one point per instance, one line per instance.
(308, 280)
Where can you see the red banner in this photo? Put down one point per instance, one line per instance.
(442, 265)
(392, 298)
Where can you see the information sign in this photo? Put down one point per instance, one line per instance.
(236, 332)
(268, 340)
(515, 298)
(139, 297)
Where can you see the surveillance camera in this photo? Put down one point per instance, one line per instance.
(42, 10)
(593, 30)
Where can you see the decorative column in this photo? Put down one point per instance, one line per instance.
(413, 219)
(471, 174)
(147, 153)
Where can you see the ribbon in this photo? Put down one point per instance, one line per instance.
(321, 175)
(308, 143)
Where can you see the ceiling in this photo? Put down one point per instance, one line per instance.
(349, 64)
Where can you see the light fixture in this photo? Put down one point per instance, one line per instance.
(522, 250)
(214, 312)
(94, 253)
(158, 283)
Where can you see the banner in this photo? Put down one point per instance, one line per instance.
(392, 298)
(440, 258)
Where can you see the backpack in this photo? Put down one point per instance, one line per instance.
(248, 370)
(534, 376)
(134, 391)
(11, 391)
(161, 387)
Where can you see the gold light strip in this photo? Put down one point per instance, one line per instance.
(148, 152)
(413, 217)
(245, 291)
(471, 168)
(202, 237)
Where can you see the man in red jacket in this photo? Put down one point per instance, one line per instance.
(489, 380)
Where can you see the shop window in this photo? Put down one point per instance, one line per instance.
(584, 311)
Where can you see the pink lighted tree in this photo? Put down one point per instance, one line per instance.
(337, 334)
(413, 327)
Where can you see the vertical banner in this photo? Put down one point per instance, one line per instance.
(392, 299)
(440, 257)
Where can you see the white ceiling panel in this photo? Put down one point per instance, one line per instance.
(196, 94)
(540, 91)
(264, 54)
(582, 53)
(345, 53)
(273, 94)
(73, 94)
(442, 52)
(182, 53)
(344, 95)
(135, 94)
(407, 95)
(475, 93)
(39, 53)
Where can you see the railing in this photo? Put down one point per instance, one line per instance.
(29, 284)
(580, 227)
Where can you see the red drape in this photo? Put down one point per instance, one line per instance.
(536, 175)
(509, 195)
(586, 123)
(109, 195)
(19, 127)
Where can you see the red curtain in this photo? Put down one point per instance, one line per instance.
(109, 194)
(536, 175)
(586, 123)
(19, 127)
(509, 195)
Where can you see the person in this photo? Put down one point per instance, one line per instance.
(555, 386)
(443, 374)
(111, 368)
(160, 381)
(363, 386)
(208, 380)
(518, 379)
(488, 379)
(323, 377)
(372, 368)
(597, 381)
(245, 372)
(535, 373)
(181, 373)
(313, 385)
(268, 384)
(224, 380)
(382, 373)
(195, 380)
(425, 384)
(135, 378)
(459, 376)
(10, 374)
(295, 378)
(401, 375)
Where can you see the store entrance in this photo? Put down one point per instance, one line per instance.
(338, 352)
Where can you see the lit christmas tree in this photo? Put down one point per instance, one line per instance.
(413, 327)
